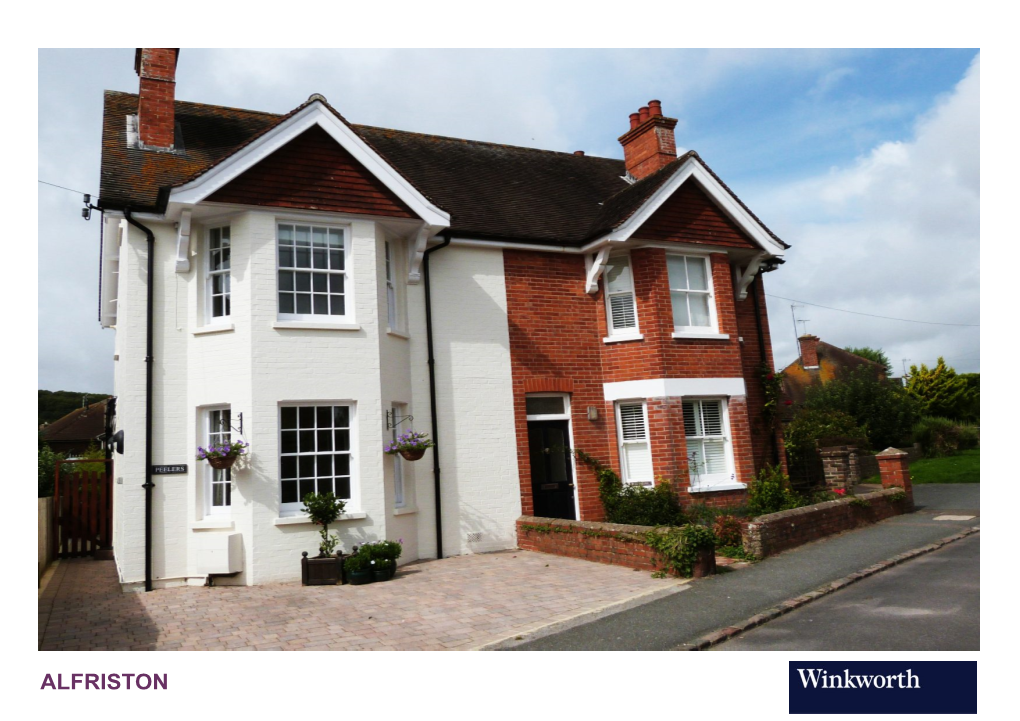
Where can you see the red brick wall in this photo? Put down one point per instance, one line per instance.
(556, 344)
(610, 543)
(649, 147)
(775, 532)
(157, 68)
(689, 216)
(313, 172)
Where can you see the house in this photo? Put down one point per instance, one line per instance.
(313, 283)
(73, 433)
(819, 363)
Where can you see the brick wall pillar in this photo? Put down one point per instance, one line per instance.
(837, 465)
(894, 467)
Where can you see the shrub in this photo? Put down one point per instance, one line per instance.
(47, 467)
(938, 436)
(634, 505)
(883, 410)
(970, 437)
(679, 546)
(941, 392)
(811, 426)
(727, 531)
(323, 509)
(770, 492)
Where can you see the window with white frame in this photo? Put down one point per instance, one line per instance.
(315, 453)
(621, 308)
(706, 427)
(690, 289)
(217, 481)
(635, 449)
(398, 411)
(391, 289)
(218, 274)
(312, 272)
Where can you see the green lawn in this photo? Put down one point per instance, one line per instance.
(965, 467)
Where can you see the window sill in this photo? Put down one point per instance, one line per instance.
(205, 330)
(718, 487)
(622, 338)
(702, 336)
(310, 325)
(405, 510)
(209, 524)
(397, 334)
(303, 518)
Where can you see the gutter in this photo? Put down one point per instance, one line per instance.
(436, 471)
(755, 284)
(148, 485)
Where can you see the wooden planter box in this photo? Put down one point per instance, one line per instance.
(323, 571)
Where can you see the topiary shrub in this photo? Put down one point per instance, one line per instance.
(727, 531)
(770, 492)
(938, 436)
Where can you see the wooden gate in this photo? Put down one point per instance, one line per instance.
(83, 509)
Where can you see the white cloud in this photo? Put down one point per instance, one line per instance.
(895, 234)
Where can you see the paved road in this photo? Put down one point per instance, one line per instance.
(931, 603)
(729, 598)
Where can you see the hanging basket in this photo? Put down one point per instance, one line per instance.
(412, 454)
(222, 463)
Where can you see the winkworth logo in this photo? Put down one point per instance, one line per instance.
(883, 687)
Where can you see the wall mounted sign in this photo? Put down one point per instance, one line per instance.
(170, 470)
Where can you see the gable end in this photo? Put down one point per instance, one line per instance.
(313, 172)
(690, 216)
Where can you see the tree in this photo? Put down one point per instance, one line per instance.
(884, 410)
(940, 391)
(873, 354)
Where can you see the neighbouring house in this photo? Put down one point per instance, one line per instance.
(315, 282)
(819, 363)
(73, 433)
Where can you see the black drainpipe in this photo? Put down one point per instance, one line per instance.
(432, 393)
(148, 485)
(755, 284)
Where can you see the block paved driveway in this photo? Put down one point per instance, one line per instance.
(457, 603)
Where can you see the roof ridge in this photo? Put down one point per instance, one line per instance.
(485, 142)
(207, 105)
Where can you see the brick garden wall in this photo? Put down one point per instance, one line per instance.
(775, 532)
(612, 543)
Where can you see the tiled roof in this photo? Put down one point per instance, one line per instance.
(833, 362)
(81, 424)
(489, 190)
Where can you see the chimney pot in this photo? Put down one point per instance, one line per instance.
(578, 152)
(650, 144)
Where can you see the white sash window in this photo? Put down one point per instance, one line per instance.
(217, 432)
(635, 449)
(709, 456)
(621, 308)
(690, 290)
(312, 278)
(218, 275)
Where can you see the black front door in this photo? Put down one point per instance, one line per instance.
(552, 479)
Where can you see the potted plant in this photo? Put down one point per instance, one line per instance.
(382, 569)
(358, 567)
(222, 456)
(325, 570)
(411, 445)
(384, 555)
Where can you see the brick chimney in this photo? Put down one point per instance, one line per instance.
(809, 350)
(649, 144)
(157, 70)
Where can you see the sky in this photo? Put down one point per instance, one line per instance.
(864, 161)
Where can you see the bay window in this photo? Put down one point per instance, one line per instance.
(312, 273)
(315, 453)
(218, 275)
(709, 456)
(690, 290)
(635, 449)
